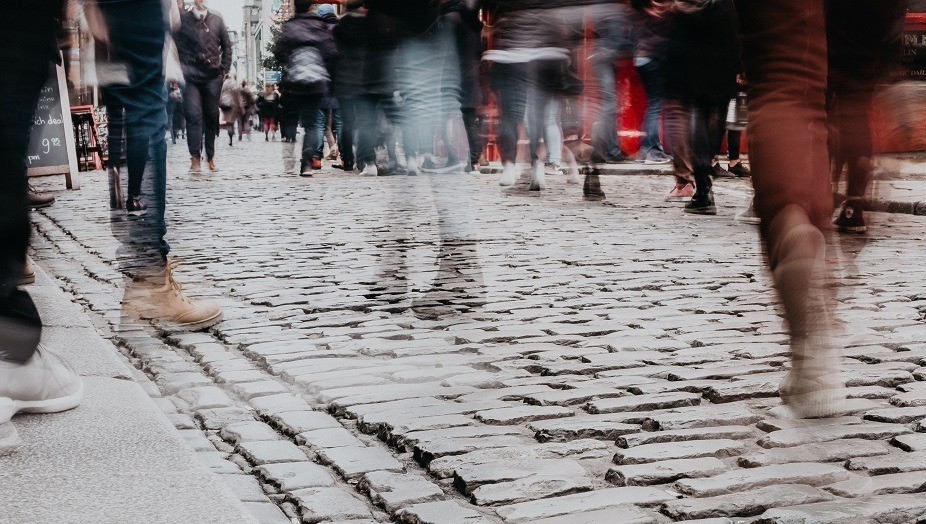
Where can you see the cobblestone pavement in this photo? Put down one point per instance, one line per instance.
(438, 349)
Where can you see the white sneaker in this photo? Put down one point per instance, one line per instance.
(411, 166)
(538, 179)
(369, 170)
(553, 168)
(9, 438)
(572, 175)
(509, 175)
(44, 384)
(748, 215)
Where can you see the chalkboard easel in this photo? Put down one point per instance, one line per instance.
(52, 149)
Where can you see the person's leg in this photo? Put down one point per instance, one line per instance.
(348, 113)
(604, 138)
(702, 154)
(210, 110)
(510, 84)
(785, 53)
(473, 125)
(553, 132)
(193, 111)
(26, 35)
(367, 123)
(319, 123)
(678, 126)
(337, 127)
(311, 117)
(734, 140)
(653, 80)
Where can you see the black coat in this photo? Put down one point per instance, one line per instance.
(305, 30)
(703, 52)
(350, 37)
(203, 47)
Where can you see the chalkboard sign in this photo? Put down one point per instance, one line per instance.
(51, 144)
(914, 55)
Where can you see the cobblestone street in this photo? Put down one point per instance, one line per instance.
(438, 349)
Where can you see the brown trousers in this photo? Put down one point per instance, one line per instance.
(812, 66)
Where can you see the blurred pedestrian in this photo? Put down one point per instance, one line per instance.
(794, 51)
(205, 58)
(174, 106)
(246, 101)
(350, 38)
(650, 41)
(230, 105)
(306, 49)
(268, 110)
(328, 124)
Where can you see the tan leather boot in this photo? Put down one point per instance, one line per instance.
(163, 300)
(814, 386)
(212, 166)
(28, 276)
(195, 165)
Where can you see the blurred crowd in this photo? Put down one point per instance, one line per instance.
(399, 87)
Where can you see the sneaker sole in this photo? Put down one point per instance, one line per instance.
(42, 206)
(52, 405)
(854, 229)
(200, 325)
(702, 211)
(25, 280)
(137, 213)
(9, 438)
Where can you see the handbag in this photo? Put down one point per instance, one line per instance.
(738, 112)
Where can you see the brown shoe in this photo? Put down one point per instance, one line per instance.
(37, 200)
(28, 276)
(195, 165)
(212, 166)
(148, 299)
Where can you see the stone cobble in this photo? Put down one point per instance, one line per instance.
(437, 349)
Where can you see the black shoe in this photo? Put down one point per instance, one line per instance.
(740, 170)
(850, 219)
(38, 200)
(135, 207)
(592, 189)
(701, 204)
(719, 172)
(611, 158)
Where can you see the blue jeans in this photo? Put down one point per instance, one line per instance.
(651, 75)
(321, 125)
(613, 41)
(305, 110)
(137, 31)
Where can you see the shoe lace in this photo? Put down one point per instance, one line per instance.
(175, 287)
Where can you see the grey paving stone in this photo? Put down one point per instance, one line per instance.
(577, 503)
(445, 466)
(744, 503)
(531, 488)
(681, 435)
(290, 476)
(897, 415)
(468, 477)
(245, 487)
(700, 417)
(718, 448)
(622, 514)
(797, 436)
(909, 482)
(393, 491)
(836, 450)
(248, 431)
(271, 452)
(351, 462)
(425, 452)
(893, 463)
(279, 403)
(294, 422)
(602, 427)
(441, 512)
(205, 397)
(522, 414)
(327, 503)
(887, 509)
(664, 471)
(912, 442)
(266, 513)
(572, 397)
(328, 438)
(644, 402)
(809, 473)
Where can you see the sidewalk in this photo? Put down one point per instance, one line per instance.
(899, 185)
(114, 459)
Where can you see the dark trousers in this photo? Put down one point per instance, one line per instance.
(472, 122)
(793, 51)
(173, 107)
(349, 126)
(522, 92)
(706, 133)
(137, 31)
(368, 109)
(27, 39)
(305, 110)
(652, 77)
(201, 107)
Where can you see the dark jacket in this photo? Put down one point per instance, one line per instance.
(305, 30)
(203, 46)
(350, 37)
(504, 6)
(703, 52)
